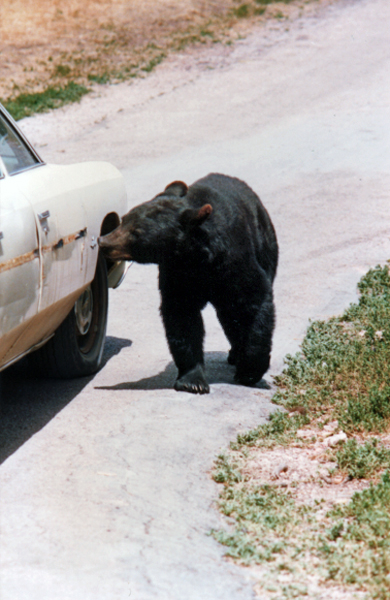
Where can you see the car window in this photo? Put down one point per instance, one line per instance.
(15, 154)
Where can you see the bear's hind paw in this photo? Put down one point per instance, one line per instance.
(248, 380)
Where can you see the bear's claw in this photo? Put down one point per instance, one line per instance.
(192, 388)
(192, 382)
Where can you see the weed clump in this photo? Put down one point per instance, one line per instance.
(344, 365)
(266, 518)
(362, 461)
(25, 105)
(256, 7)
(350, 546)
(361, 555)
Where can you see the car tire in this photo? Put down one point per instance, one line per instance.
(76, 349)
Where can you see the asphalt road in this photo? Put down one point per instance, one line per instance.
(106, 491)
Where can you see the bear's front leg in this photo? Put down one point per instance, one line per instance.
(185, 332)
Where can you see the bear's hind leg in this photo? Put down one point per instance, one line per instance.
(249, 331)
(253, 360)
(185, 332)
(231, 327)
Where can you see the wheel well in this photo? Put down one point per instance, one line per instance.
(110, 222)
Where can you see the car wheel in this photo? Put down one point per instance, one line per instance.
(76, 349)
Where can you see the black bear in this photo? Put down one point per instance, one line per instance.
(213, 242)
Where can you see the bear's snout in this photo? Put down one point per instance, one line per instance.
(113, 246)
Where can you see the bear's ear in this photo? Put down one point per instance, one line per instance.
(203, 213)
(192, 218)
(177, 188)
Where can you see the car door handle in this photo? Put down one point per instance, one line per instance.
(43, 216)
(1, 236)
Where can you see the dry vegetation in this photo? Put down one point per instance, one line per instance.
(46, 43)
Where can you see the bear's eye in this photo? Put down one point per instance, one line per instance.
(137, 232)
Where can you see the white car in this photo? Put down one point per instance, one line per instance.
(53, 280)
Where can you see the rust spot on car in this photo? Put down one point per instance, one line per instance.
(19, 260)
(58, 245)
(64, 241)
(30, 256)
(81, 233)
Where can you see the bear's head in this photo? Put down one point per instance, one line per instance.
(152, 231)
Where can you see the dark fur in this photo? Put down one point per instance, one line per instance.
(214, 242)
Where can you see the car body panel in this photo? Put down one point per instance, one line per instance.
(19, 259)
(32, 333)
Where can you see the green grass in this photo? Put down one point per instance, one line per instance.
(362, 460)
(266, 2)
(256, 7)
(24, 105)
(242, 11)
(341, 373)
(266, 523)
(280, 430)
(360, 554)
(343, 370)
(152, 63)
(102, 78)
(226, 471)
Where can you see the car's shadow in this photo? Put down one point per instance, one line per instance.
(217, 371)
(28, 403)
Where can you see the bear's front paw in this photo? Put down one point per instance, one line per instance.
(193, 382)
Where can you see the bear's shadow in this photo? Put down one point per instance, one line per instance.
(217, 369)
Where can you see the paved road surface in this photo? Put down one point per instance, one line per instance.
(106, 491)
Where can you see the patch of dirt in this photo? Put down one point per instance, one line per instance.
(305, 472)
(305, 469)
(49, 43)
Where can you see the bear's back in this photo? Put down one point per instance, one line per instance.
(239, 219)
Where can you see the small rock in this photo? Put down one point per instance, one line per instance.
(326, 478)
(336, 439)
(330, 428)
(341, 480)
(305, 433)
(282, 468)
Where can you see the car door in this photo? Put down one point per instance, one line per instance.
(19, 271)
(62, 227)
